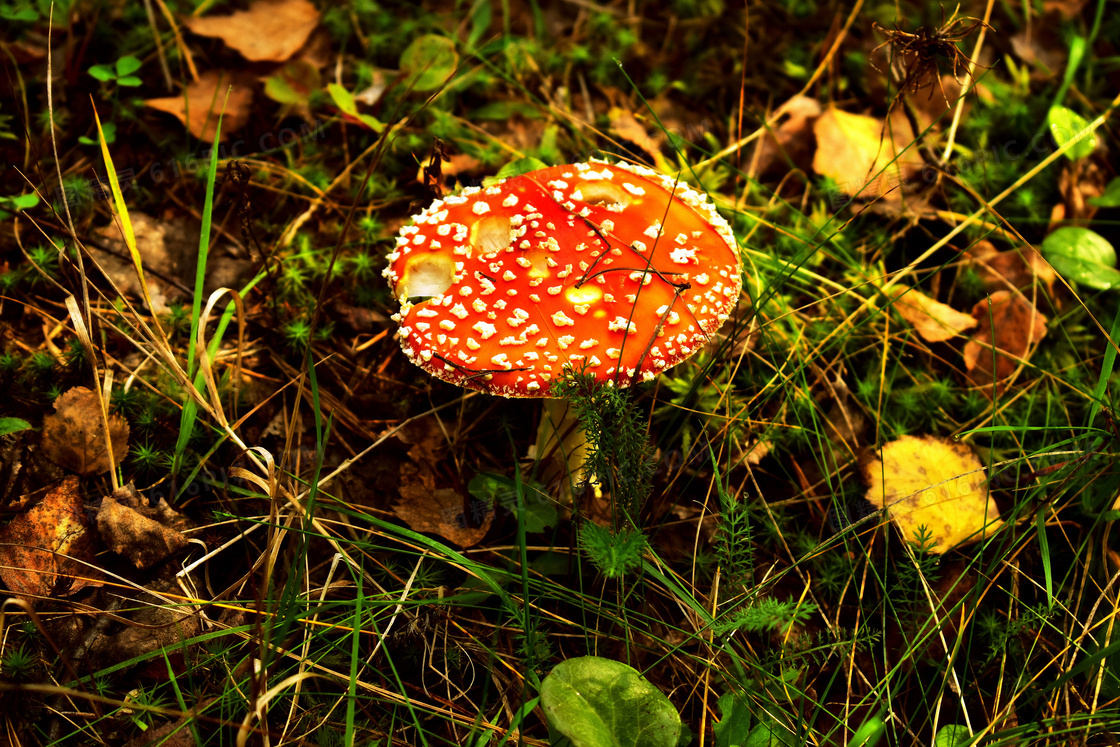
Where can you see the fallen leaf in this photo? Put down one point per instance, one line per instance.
(428, 508)
(1012, 269)
(42, 547)
(201, 102)
(624, 125)
(933, 320)
(932, 482)
(853, 149)
(74, 438)
(269, 31)
(145, 535)
(1013, 326)
(792, 140)
(164, 249)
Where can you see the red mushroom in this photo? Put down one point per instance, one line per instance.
(611, 268)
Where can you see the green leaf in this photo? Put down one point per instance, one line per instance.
(13, 425)
(23, 202)
(428, 62)
(343, 99)
(597, 702)
(130, 81)
(127, 65)
(1111, 196)
(952, 735)
(1082, 256)
(869, 733)
(293, 83)
(734, 725)
(1065, 125)
(103, 73)
(515, 168)
(20, 14)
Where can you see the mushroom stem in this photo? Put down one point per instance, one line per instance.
(561, 449)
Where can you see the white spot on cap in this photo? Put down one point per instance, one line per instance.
(613, 353)
(472, 343)
(486, 330)
(460, 311)
(620, 324)
(480, 208)
(562, 320)
(587, 344)
(501, 360)
(510, 200)
(564, 342)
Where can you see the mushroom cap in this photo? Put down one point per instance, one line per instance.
(613, 269)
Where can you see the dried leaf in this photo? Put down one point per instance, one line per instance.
(201, 102)
(48, 544)
(269, 31)
(440, 511)
(1014, 268)
(143, 534)
(933, 320)
(936, 483)
(853, 149)
(427, 508)
(73, 436)
(1013, 326)
(624, 125)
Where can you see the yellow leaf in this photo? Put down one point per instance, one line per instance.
(936, 483)
(864, 160)
(933, 320)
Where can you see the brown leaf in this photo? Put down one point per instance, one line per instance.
(624, 125)
(1013, 326)
(428, 508)
(73, 436)
(201, 102)
(1014, 268)
(440, 511)
(143, 534)
(853, 149)
(933, 320)
(269, 31)
(41, 548)
(792, 140)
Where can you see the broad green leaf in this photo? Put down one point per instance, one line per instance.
(127, 65)
(22, 202)
(342, 98)
(130, 81)
(13, 425)
(1082, 256)
(103, 73)
(952, 735)
(734, 726)
(1065, 125)
(1111, 196)
(515, 168)
(109, 130)
(293, 83)
(597, 702)
(428, 62)
(869, 733)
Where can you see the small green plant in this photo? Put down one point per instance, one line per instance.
(18, 664)
(618, 457)
(120, 73)
(614, 554)
(767, 614)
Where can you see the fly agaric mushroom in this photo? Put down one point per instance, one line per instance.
(615, 270)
